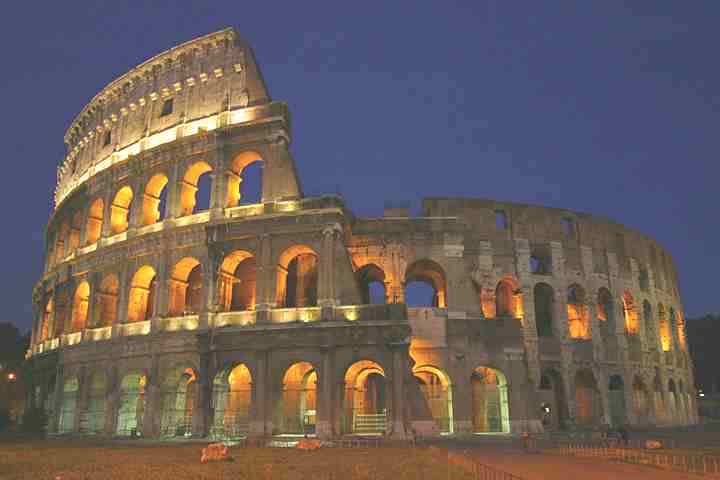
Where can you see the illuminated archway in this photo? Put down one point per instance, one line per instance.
(297, 277)
(371, 280)
(186, 283)
(93, 228)
(605, 311)
(142, 295)
(177, 402)
(107, 301)
(232, 401)
(44, 333)
(588, 408)
(665, 330)
(508, 299)
(553, 403)
(578, 313)
(131, 405)
(632, 324)
(489, 401)
(152, 199)
(237, 281)
(680, 326)
(120, 210)
(81, 301)
(189, 188)
(235, 175)
(62, 317)
(297, 405)
(365, 399)
(95, 411)
(68, 407)
(437, 390)
(430, 273)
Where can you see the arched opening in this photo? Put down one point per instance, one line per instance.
(154, 199)
(68, 408)
(95, 412)
(659, 401)
(61, 320)
(437, 390)
(237, 282)
(93, 228)
(616, 397)
(80, 307)
(489, 401)
(365, 399)
(141, 303)
(120, 210)
(131, 405)
(672, 407)
(245, 179)
(44, 333)
(425, 285)
(588, 408)
(553, 407)
(680, 327)
(578, 314)
(508, 299)
(297, 406)
(605, 312)
(186, 283)
(371, 280)
(107, 301)
(643, 279)
(543, 295)
(641, 401)
(665, 333)
(297, 277)
(63, 232)
(178, 400)
(648, 322)
(195, 191)
(232, 400)
(75, 228)
(632, 325)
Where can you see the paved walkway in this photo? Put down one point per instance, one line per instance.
(543, 466)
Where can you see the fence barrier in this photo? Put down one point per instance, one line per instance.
(687, 463)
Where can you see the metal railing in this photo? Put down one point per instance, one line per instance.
(687, 463)
(477, 470)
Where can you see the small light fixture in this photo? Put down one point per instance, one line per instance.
(11, 376)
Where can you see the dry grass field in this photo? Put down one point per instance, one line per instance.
(81, 459)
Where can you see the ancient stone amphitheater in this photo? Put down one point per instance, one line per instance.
(167, 309)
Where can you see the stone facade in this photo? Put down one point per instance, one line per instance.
(153, 318)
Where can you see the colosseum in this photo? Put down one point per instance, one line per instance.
(167, 309)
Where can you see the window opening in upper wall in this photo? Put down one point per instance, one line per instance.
(567, 225)
(500, 220)
(167, 107)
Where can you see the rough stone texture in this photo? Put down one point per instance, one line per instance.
(485, 279)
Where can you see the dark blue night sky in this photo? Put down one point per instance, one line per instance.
(609, 107)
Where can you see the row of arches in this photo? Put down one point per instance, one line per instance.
(578, 313)
(647, 404)
(193, 192)
(366, 405)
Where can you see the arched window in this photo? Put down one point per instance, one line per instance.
(681, 330)
(186, 284)
(62, 312)
(665, 331)
(366, 399)
(142, 295)
(371, 280)
(44, 332)
(154, 199)
(108, 301)
(508, 303)
(75, 228)
(489, 401)
(543, 296)
(245, 179)
(643, 279)
(425, 285)
(297, 277)
(648, 322)
(190, 186)
(80, 307)
(63, 232)
(436, 388)
(632, 325)
(297, 406)
(237, 281)
(587, 399)
(578, 315)
(120, 210)
(93, 229)
(232, 402)
(605, 309)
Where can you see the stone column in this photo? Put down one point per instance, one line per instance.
(530, 337)
(601, 380)
(326, 274)
(106, 230)
(261, 413)
(399, 353)
(83, 225)
(54, 421)
(461, 396)
(81, 401)
(265, 279)
(203, 399)
(153, 410)
(111, 404)
(597, 342)
(326, 412)
(172, 199)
